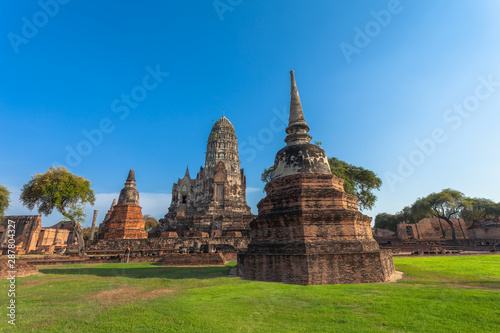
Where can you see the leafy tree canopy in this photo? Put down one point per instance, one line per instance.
(151, 222)
(480, 208)
(358, 181)
(387, 221)
(445, 205)
(391, 221)
(86, 232)
(4, 199)
(267, 174)
(63, 191)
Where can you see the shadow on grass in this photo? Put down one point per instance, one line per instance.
(475, 284)
(144, 272)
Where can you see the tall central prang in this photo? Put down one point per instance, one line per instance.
(309, 230)
(215, 201)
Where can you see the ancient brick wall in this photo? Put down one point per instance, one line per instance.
(165, 244)
(485, 229)
(27, 231)
(383, 233)
(51, 236)
(485, 233)
(432, 228)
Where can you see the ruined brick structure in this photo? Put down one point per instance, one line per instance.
(27, 232)
(59, 235)
(383, 233)
(487, 228)
(215, 201)
(168, 245)
(124, 220)
(32, 238)
(432, 229)
(309, 230)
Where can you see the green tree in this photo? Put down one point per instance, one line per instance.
(481, 208)
(391, 221)
(358, 181)
(4, 199)
(63, 191)
(387, 221)
(151, 222)
(444, 205)
(267, 174)
(86, 233)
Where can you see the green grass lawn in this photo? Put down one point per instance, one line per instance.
(437, 294)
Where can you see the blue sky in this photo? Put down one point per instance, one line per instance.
(408, 89)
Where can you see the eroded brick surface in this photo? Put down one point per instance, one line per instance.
(307, 232)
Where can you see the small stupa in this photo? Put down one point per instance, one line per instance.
(124, 220)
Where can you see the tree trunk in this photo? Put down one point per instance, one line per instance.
(453, 233)
(78, 232)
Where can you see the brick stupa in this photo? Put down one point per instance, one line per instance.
(124, 220)
(309, 230)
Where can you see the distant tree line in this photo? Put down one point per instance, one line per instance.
(446, 205)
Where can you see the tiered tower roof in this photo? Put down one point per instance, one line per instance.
(129, 195)
(222, 145)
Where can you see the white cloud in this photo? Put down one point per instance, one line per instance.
(253, 189)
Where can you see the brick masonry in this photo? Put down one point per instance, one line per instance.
(310, 232)
(177, 244)
(32, 238)
(125, 222)
(432, 229)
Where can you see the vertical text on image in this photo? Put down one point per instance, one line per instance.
(11, 262)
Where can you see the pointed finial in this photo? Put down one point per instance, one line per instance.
(131, 176)
(297, 127)
(187, 172)
(130, 182)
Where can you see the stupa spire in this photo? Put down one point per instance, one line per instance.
(130, 182)
(129, 194)
(187, 172)
(297, 127)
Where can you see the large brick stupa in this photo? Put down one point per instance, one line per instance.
(309, 230)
